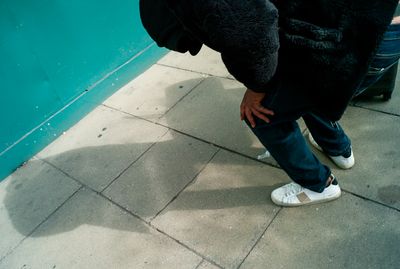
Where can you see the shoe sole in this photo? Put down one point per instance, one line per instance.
(308, 203)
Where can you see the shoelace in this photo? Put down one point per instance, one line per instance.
(293, 189)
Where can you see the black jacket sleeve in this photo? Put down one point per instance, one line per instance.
(246, 35)
(244, 32)
(165, 28)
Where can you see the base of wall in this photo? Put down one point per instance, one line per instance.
(43, 134)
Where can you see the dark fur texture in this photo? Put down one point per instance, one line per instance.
(324, 45)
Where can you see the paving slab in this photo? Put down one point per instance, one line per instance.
(375, 141)
(154, 92)
(104, 143)
(90, 232)
(223, 213)
(347, 233)
(27, 198)
(156, 178)
(211, 112)
(391, 106)
(207, 61)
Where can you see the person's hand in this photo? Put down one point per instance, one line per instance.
(251, 105)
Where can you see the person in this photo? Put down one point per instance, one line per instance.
(293, 154)
(297, 59)
(285, 142)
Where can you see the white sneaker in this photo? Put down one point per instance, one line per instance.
(293, 194)
(340, 161)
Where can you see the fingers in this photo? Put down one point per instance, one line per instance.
(260, 115)
(251, 106)
(265, 110)
(259, 111)
(249, 116)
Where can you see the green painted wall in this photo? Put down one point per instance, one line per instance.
(60, 59)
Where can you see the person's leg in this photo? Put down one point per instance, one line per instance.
(286, 144)
(329, 135)
(313, 181)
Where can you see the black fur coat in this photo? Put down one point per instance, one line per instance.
(324, 46)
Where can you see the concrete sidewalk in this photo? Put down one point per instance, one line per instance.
(163, 174)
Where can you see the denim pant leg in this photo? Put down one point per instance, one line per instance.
(329, 135)
(387, 55)
(286, 144)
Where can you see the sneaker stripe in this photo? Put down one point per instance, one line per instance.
(303, 197)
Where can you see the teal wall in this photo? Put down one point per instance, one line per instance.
(60, 59)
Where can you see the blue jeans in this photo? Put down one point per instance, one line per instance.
(387, 55)
(284, 140)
